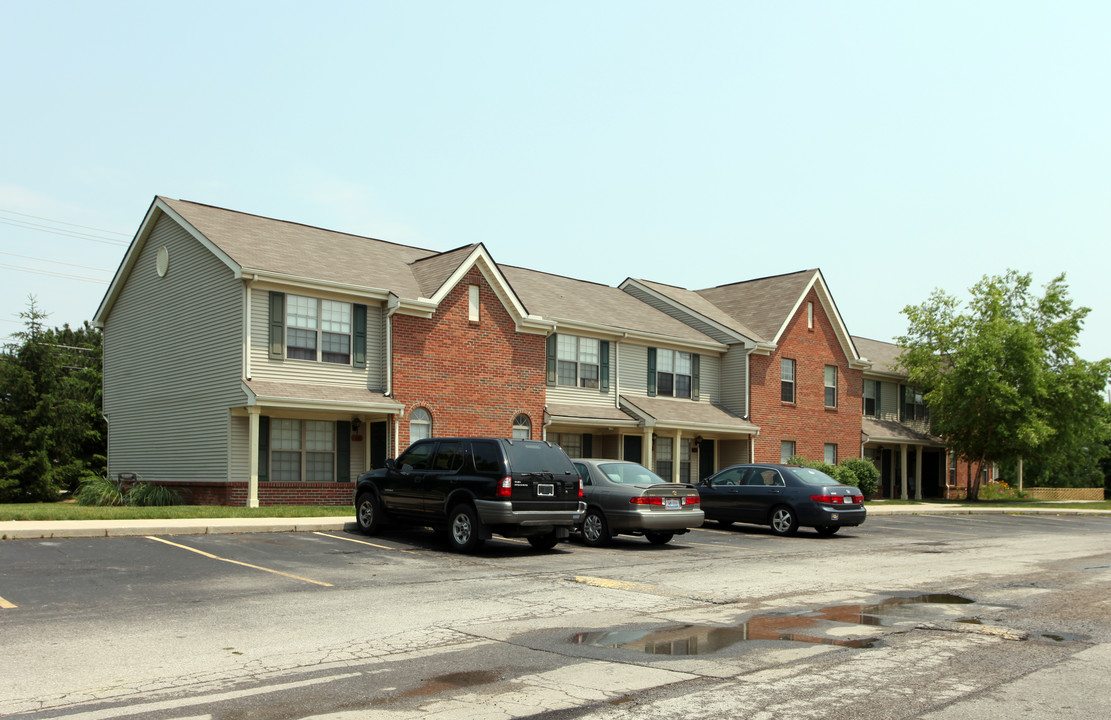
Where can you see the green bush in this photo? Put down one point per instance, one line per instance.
(99, 490)
(867, 475)
(151, 495)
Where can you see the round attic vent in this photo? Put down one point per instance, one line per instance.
(163, 261)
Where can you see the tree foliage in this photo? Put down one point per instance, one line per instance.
(1002, 378)
(52, 433)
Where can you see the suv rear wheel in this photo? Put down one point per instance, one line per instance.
(464, 529)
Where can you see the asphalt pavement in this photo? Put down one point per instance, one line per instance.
(25, 529)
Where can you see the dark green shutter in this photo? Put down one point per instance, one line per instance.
(588, 445)
(651, 372)
(277, 325)
(343, 451)
(358, 338)
(551, 379)
(604, 385)
(263, 448)
(902, 403)
(695, 363)
(879, 407)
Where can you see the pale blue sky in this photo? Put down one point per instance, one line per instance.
(897, 146)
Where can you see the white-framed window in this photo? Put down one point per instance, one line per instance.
(914, 405)
(809, 316)
(831, 453)
(831, 386)
(318, 330)
(420, 424)
(302, 449)
(786, 450)
(522, 427)
(571, 443)
(787, 380)
(872, 398)
(665, 457)
(472, 303)
(578, 361)
(673, 373)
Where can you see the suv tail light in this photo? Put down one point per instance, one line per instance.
(505, 488)
(581, 489)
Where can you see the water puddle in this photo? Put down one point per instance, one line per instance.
(805, 627)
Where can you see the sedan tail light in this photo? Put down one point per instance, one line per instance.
(838, 499)
(505, 488)
(687, 500)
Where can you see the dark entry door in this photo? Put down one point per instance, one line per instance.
(633, 446)
(377, 435)
(705, 459)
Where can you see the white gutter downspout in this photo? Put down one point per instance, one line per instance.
(393, 302)
(247, 329)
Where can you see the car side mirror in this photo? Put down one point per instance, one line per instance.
(391, 464)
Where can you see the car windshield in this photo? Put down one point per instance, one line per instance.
(530, 456)
(629, 474)
(810, 476)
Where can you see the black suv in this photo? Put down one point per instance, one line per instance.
(473, 488)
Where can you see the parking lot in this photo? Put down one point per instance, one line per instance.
(318, 623)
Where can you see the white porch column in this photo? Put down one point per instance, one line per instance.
(675, 453)
(903, 482)
(252, 433)
(646, 450)
(918, 474)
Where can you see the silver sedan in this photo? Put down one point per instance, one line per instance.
(627, 498)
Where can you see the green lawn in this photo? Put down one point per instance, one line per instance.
(72, 511)
(1015, 504)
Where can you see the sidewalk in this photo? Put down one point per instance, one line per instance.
(24, 529)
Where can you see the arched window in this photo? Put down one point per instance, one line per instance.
(522, 427)
(420, 425)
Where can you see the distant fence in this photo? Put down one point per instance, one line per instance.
(1045, 493)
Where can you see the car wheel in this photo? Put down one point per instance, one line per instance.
(827, 530)
(783, 521)
(725, 523)
(595, 529)
(368, 514)
(543, 542)
(659, 538)
(464, 529)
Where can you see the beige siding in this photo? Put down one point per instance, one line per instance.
(889, 401)
(681, 315)
(734, 380)
(634, 373)
(732, 452)
(173, 363)
(305, 371)
(581, 396)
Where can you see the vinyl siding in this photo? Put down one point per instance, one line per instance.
(682, 316)
(307, 371)
(732, 452)
(734, 380)
(634, 373)
(241, 445)
(889, 401)
(172, 363)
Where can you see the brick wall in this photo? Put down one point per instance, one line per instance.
(474, 378)
(806, 421)
(269, 493)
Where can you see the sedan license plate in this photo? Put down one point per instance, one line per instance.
(545, 490)
(671, 503)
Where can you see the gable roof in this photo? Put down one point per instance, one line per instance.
(884, 356)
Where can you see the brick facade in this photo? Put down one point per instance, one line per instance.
(807, 421)
(473, 377)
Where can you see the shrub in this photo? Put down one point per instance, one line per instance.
(146, 494)
(867, 475)
(99, 490)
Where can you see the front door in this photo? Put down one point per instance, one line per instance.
(705, 459)
(632, 449)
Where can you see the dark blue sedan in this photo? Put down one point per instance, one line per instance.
(783, 497)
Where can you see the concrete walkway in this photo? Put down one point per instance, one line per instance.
(22, 529)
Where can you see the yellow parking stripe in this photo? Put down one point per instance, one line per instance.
(348, 539)
(5, 605)
(236, 562)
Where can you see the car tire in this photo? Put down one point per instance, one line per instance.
(659, 538)
(827, 530)
(368, 513)
(464, 529)
(543, 542)
(595, 529)
(783, 520)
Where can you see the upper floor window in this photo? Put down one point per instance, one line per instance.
(578, 361)
(522, 427)
(872, 398)
(914, 405)
(420, 425)
(673, 373)
(787, 380)
(831, 385)
(318, 329)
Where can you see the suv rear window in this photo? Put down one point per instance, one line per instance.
(533, 456)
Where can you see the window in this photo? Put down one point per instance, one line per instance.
(809, 316)
(786, 450)
(522, 427)
(572, 444)
(914, 405)
(831, 386)
(673, 373)
(318, 329)
(787, 380)
(472, 304)
(665, 457)
(420, 425)
(417, 457)
(302, 450)
(831, 454)
(871, 398)
(578, 361)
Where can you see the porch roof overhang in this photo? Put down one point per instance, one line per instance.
(266, 393)
(889, 431)
(686, 415)
(590, 416)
